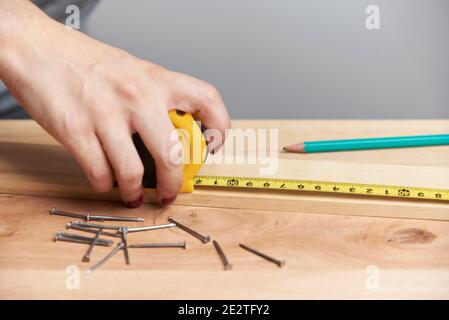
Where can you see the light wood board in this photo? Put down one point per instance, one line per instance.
(31, 162)
(328, 256)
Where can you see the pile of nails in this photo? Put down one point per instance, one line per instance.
(121, 232)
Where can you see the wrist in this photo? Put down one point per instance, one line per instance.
(21, 22)
(18, 19)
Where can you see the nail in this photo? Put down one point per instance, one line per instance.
(75, 226)
(203, 239)
(94, 225)
(113, 218)
(224, 260)
(56, 212)
(106, 258)
(82, 238)
(86, 257)
(168, 201)
(59, 237)
(279, 263)
(159, 245)
(136, 203)
(149, 228)
(91, 217)
(123, 231)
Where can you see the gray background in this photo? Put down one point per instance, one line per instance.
(292, 58)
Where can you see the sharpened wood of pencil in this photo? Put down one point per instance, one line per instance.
(369, 143)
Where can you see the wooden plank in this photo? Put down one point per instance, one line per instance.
(33, 163)
(328, 256)
(353, 172)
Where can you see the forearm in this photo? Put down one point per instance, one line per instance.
(92, 98)
(20, 22)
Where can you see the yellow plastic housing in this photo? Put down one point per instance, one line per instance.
(193, 144)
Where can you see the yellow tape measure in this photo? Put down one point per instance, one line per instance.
(322, 186)
(185, 121)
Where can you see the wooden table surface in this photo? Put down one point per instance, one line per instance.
(328, 256)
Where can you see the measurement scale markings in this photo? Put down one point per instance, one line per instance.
(323, 186)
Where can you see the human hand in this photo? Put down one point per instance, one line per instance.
(92, 97)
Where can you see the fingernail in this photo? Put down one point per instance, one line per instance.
(135, 203)
(217, 148)
(167, 201)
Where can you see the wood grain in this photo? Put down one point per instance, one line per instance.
(328, 256)
(31, 162)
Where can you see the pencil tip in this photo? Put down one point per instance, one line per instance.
(296, 148)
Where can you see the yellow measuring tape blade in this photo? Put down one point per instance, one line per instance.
(322, 186)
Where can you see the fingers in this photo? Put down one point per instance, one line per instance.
(203, 100)
(92, 159)
(125, 161)
(161, 140)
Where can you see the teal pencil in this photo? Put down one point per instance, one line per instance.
(369, 143)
